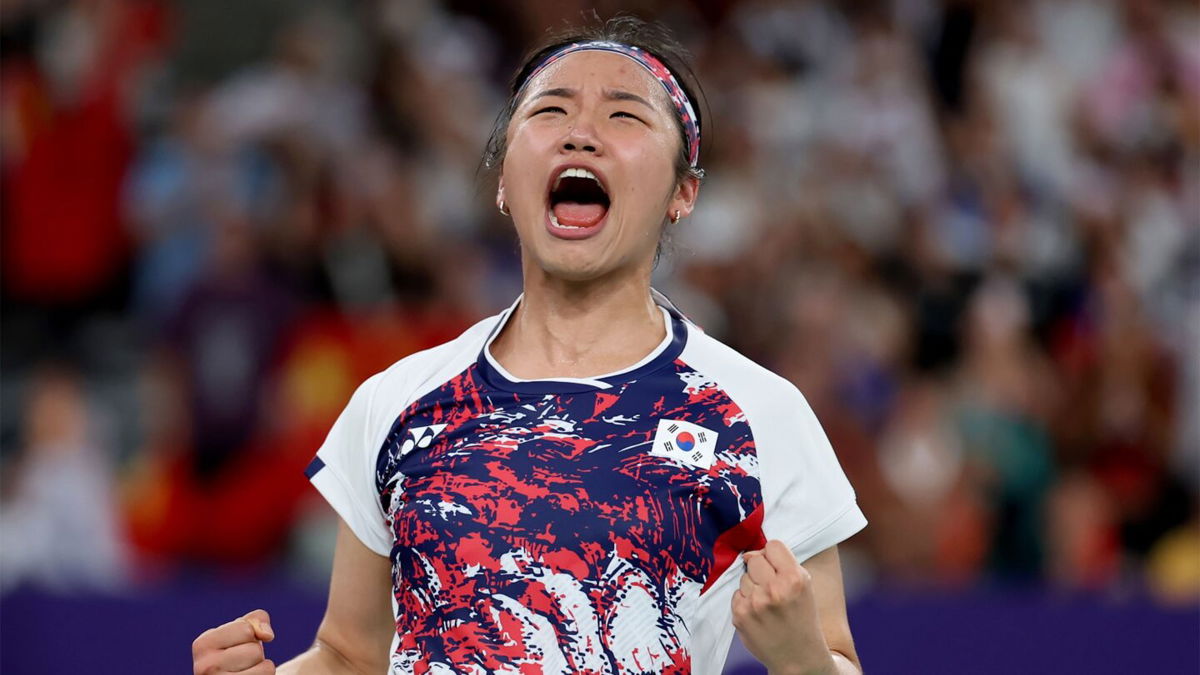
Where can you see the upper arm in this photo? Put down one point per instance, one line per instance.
(825, 569)
(808, 503)
(358, 624)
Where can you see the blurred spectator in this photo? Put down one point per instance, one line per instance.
(67, 144)
(1083, 543)
(922, 458)
(1004, 393)
(59, 521)
(968, 231)
(225, 337)
(171, 198)
(1173, 573)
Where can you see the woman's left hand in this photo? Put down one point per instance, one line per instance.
(775, 612)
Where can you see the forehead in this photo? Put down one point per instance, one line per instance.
(602, 70)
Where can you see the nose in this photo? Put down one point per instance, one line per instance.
(582, 137)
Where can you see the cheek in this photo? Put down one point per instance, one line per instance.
(534, 133)
(517, 170)
(652, 182)
(524, 148)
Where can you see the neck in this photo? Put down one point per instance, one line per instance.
(579, 329)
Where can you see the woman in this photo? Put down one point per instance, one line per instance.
(568, 486)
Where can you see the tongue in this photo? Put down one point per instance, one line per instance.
(575, 214)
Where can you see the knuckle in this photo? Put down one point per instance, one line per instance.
(248, 653)
(760, 603)
(801, 578)
(796, 583)
(783, 591)
(741, 612)
(202, 661)
(204, 640)
(804, 575)
(759, 574)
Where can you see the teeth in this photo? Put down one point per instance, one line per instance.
(575, 172)
(554, 222)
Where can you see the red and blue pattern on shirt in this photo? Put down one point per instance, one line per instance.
(534, 532)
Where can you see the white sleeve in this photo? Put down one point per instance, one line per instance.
(808, 503)
(344, 470)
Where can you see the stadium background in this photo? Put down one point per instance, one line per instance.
(969, 231)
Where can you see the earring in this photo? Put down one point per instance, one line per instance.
(675, 217)
(503, 208)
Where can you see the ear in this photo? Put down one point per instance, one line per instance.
(684, 198)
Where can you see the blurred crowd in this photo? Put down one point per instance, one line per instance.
(969, 231)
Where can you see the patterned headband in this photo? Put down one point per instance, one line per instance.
(683, 106)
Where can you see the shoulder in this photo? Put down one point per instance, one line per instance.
(428, 361)
(745, 381)
(420, 372)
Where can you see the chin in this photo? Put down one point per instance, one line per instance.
(572, 270)
(579, 261)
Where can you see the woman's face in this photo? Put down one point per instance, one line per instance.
(589, 175)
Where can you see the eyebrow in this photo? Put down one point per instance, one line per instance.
(609, 94)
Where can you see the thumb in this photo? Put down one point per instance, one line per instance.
(260, 621)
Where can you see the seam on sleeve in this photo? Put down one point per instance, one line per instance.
(369, 432)
(343, 496)
(800, 541)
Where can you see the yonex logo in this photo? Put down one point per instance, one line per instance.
(420, 437)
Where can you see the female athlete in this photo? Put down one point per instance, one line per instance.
(586, 482)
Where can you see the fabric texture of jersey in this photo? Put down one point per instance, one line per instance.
(580, 525)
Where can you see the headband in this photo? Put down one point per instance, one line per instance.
(683, 106)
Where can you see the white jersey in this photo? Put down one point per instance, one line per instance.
(578, 525)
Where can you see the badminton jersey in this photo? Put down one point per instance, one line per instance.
(577, 525)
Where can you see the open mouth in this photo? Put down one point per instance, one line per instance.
(577, 200)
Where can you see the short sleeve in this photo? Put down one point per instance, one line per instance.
(344, 470)
(808, 501)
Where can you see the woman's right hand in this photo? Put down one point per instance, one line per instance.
(236, 647)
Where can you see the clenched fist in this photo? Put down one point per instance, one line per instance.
(775, 612)
(236, 647)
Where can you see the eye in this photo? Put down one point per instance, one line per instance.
(629, 115)
(549, 108)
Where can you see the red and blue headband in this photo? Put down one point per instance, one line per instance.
(683, 105)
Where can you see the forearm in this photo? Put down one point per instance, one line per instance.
(321, 659)
(844, 665)
(838, 664)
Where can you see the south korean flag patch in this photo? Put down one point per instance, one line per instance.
(685, 442)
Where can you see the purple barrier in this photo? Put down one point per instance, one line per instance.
(1024, 632)
(145, 632)
(976, 633)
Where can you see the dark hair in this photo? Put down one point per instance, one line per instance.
(651, 37)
